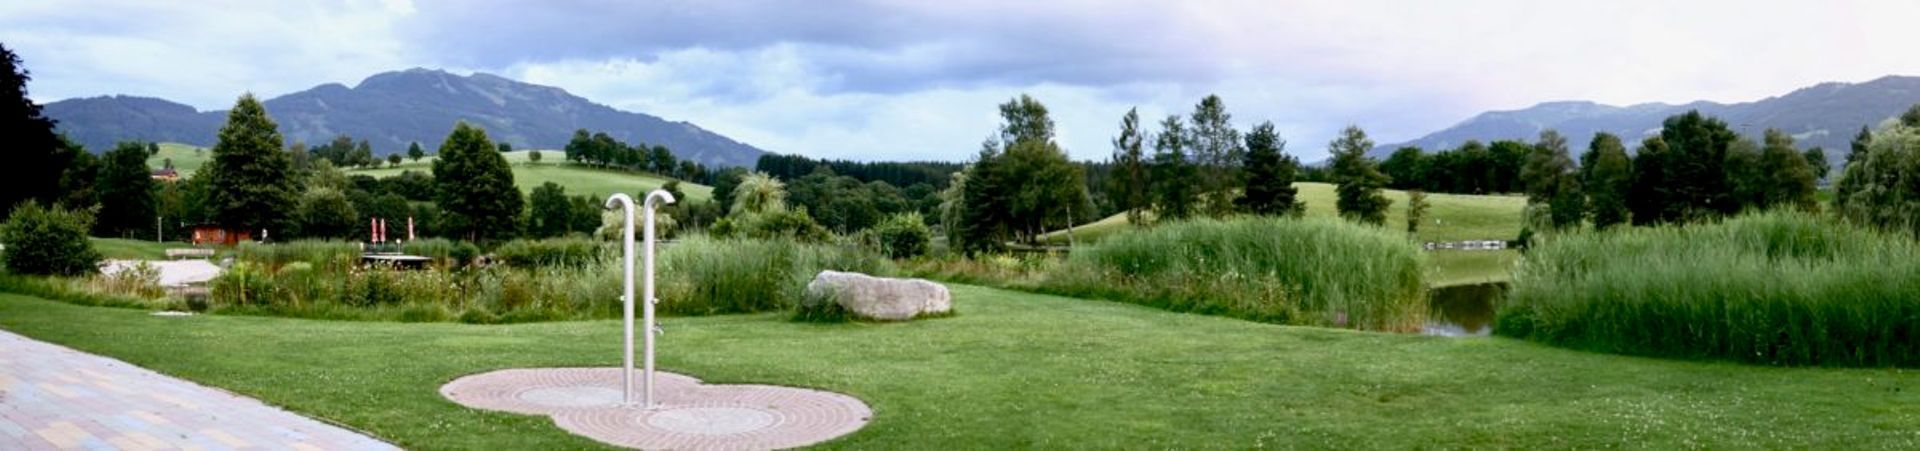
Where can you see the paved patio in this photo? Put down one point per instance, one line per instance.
(52, 397)
(689, 415)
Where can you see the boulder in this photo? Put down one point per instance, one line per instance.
(878, 298)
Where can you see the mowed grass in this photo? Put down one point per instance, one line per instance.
(186, 158)
(1018, 370)
(1450, 217)
(128, 249)
(553, 167)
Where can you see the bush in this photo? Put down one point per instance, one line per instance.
(567, 252)
(1774, 288)
(330, 256)
(700, 275)
(901, 236)
(1320, 272)
(445, 253)
(49, 241)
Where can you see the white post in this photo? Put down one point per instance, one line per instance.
(626, 298)
(665, 198)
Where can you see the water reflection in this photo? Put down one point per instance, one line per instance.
(1462, 310)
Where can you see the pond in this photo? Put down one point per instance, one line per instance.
(1462, 310)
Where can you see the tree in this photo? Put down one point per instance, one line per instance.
(125, 189)
(759, 193)
(1407, 168)
(725, 183)
(1416, 210)
(1130, 186)
(394, 160)
(1609, 180)
(1746, 180)
(474, 187)
(1844, 189)
(36, 156)
(414, 152)
(504, 147)
(250, 179)
(1358, 180)
(1039, 188)
(326, 213)
(1173, 173)
(363, 155)
(661, 161)
(1790, 180)
(1817, 162)
(549, 213)
(1269, 175)
(1697, 167)
(533, 156)
(1216, 149)
(1650, 201)
(1884, 194)
(48, 241)
(1550, 182)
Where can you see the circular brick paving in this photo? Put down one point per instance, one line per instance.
(687, 414)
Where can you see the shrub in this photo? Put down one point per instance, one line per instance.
(48, 241)
(901, 236)
(445, 253)
(244, 284)
(568, 252)
(1774, 288)
(1320, 272)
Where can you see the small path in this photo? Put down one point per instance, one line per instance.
(53, 397)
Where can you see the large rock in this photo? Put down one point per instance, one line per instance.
(878, 298)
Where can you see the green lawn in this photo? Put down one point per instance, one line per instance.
(122, 248)
(554, 168)
(186, 158)
(1016, 370)
(1450, 217)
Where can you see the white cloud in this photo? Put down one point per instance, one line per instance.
(917, 80)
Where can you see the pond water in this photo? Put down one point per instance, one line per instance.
(1462, 310)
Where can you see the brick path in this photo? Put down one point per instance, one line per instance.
(52, 397)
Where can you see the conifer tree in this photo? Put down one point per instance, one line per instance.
(1269, 175)
(1358, 180)
(251, 184)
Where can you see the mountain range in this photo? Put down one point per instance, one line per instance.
(392, 109)
(1824, 115)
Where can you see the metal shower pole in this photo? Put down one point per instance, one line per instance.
(626, 297)
(664, 198)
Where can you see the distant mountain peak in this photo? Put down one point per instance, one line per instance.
(393, 109)
(1822, 114)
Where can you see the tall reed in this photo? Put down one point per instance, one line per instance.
(1321, 272)
(1775, 288)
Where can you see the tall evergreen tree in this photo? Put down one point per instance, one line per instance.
(549, 213)
(1817, 162)
(1358, 180)
(1844, 187)
(1269, 175)
(251, 185)
(1551, 183)
(474, 187)
(36, 157)
(1129, 160)
(1790, 180)
(414, 152)
(1746, 179)
(1697, 167)
(1651, 201)
(1608, 181)
(1217, 152)
(125, 189)
(1173, 172)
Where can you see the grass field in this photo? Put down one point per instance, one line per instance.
(186, 158)
(1451, 217)
(122, 248)
(554, 168)
(1027, 371)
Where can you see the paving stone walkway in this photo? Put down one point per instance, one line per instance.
(689, 414)
(52, 397)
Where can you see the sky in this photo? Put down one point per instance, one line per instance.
(919, 80)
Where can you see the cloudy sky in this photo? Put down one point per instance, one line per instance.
(919, 80)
